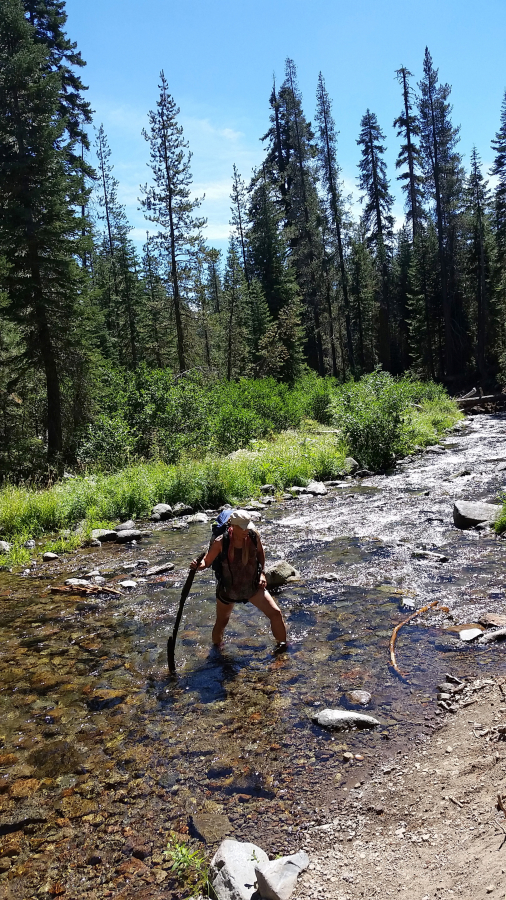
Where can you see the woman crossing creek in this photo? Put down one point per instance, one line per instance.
(238, 559)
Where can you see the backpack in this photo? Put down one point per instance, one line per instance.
(219, 528)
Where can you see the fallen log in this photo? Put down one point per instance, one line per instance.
(396, 630)
(469, 402)
(81, 589)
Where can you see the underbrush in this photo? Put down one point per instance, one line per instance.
(500, 525)
(377, 420)
(384, 418)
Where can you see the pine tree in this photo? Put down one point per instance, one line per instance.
(168, 203)
(290, 171)
(498, 170)
(363, 282)
(240, 216)
(39, 194)
(443, 181)
(409, 155)
(234, 315)
(376, 217)
(479, 263)
(331, 179)
(423, 306)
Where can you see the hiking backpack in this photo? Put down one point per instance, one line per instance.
(219, 528)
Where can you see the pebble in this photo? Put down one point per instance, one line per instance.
(449, 749)
(128, 584)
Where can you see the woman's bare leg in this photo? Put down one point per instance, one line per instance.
(264, 602)
(223, 613)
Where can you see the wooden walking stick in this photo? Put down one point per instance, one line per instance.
(171, 643)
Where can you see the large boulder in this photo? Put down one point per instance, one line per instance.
(103, 535)
(467, 514)
(161, 511)
(232, 869)
(276, 879)
(340, 719)
(281, 572)
(182, 509)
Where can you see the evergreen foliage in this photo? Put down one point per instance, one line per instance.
(104, 348)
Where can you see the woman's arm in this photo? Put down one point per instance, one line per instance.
(212, 553)
(261, 559)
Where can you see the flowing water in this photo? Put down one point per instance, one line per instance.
(103, 755)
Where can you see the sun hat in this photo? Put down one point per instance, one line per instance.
(241, 518)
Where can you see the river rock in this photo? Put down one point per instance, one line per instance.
(48, 557)
(276, 879)
(295, 490)
(351, 465)
(499, 635)
(470, 634)
(5, 547)
(233, 869)
(103, 535)
(340, 719)
(268, 488)
(125, 526)
(211, 827)
(362, 698)
(127, 584)
(317, 488)
(281, 572)
(29, 545)
(467, 513)
(199, 517)
(124, 537)
(254, 504)
(159, 570)
(491, 620)
(182, 509)
(77, 582)
(429, 554)
(161, 511)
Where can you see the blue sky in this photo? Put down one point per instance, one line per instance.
(219, 58)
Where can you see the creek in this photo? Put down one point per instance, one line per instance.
(102, 755)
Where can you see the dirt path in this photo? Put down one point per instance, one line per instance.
(426, 824)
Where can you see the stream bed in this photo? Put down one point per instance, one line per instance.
(102, 756)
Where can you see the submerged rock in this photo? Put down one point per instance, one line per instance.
(467, 513)
(340, 719)
(362, 698)
(211, 827)
(277, 879)
(429, 554)
(281, 572)
(159, 570)
(233, 869)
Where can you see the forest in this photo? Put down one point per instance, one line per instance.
(109, 354)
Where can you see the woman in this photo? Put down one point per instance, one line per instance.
(241, 576)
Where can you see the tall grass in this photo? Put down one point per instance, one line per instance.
(378, 419)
